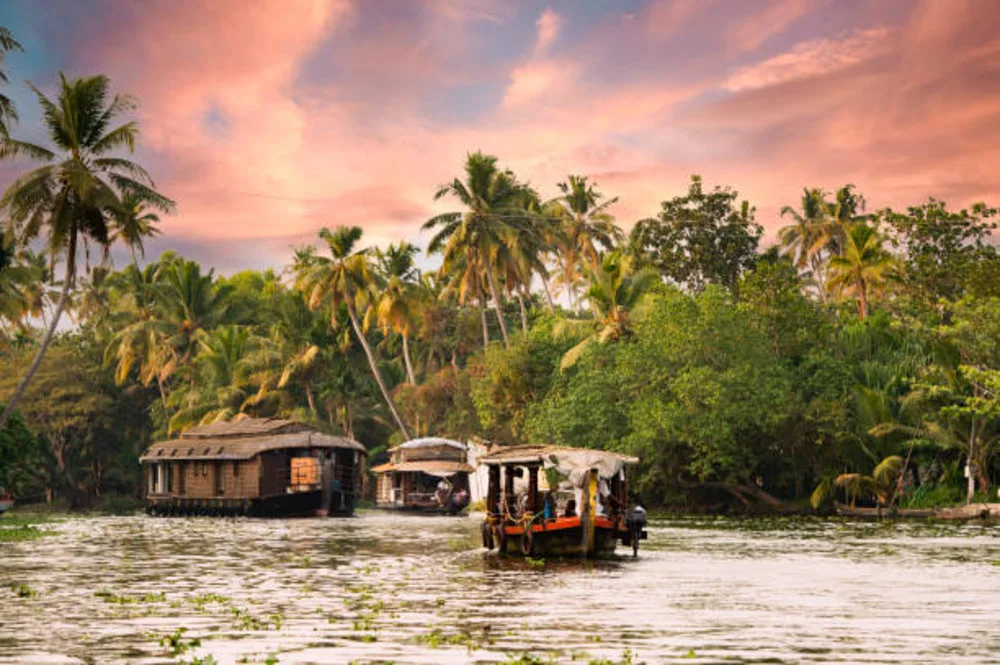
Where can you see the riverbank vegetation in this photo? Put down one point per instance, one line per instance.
(739, 373)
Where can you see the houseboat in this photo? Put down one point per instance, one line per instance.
(254, 466)
(557, 501)
(426, 475)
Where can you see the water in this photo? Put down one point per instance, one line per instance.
(410, 589)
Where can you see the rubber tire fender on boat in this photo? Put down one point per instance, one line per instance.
(527, 541)
(487, 535)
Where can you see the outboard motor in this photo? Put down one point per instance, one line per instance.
(636, 523)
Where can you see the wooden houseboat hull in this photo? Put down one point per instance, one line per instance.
(563, 537)
(297, 504)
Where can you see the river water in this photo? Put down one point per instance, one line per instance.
(388, 588)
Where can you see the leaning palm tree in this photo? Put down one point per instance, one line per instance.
(346, 278)
(881, 485)
(494, 213)
(615, 291)
(7, 111)
(864, 266)
(396, 309)
(73, 196)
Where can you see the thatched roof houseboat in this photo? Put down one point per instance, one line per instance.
(254, 466)
(429, 475)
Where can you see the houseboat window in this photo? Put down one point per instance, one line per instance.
(182, 478)
(236, 468)
(170, 477)
(219, 487)
(204, 468)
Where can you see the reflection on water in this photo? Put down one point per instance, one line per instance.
(411, 589)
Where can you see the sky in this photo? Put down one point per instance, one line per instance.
(269, 119)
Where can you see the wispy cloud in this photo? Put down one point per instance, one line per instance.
(811, 58)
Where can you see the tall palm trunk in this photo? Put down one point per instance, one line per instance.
(524, 314)
(486, 328)
(309, 398)
(36, 363)
(548, 294)
(378, 375)
(406, 359)
(862, 299)
(495, 292)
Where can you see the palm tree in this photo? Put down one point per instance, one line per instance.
(396, 309)
(864, 266)
(585, 224)
(220, 391)
(189, 305)
(881, 485)
(805, 239)
(288, 354)
(615, 290)
(74, 195)
(7, 111)
(142, 333)
(494, 203)
(134, 222)
(346, 278)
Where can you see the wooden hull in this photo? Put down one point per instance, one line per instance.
(295, 504)
(566, 537)
(418, 509)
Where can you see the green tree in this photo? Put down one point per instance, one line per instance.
(494, 214)
(585, 227)
(699, 239)
(396, 309)
(864, 267)
(72, 196)
(346, 279)
(8, 113)
(615, 291)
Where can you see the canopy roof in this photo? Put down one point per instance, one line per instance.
(429, 442)
(215, 442)
(439, 468)
(572, 463)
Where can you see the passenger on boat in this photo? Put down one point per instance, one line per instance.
(443, 492)
(570, 510)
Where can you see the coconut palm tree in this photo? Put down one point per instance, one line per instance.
(288, 354)
(586, 227)
(396, 309)
(615, 290)
(494, 213)
(135, 221)
(220, 391)
(141, 340)
(806, 239)
(864, 266)
(346, 278)
(881, 485)
(72, 197)
(7, 111)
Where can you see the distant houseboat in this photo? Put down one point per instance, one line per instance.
(428, 475)
(254, 467)
(584, 513)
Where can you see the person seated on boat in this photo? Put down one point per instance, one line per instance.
(570, 510)
(443, 492)
(607, 503)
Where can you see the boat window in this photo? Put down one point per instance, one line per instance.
(236, 468)
(219, 486)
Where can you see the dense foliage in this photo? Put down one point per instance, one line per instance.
(859, 359)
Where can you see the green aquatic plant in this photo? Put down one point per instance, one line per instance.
(130, 599)
(22, 533)
(245, 620)
(177, 644)
(527, 659)
(628, 658)
(23, 591)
